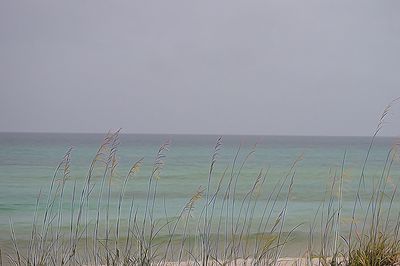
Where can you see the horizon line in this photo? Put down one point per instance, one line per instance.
(195, 134)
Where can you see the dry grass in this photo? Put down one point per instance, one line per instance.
(225, 224)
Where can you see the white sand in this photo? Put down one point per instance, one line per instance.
(241, 262)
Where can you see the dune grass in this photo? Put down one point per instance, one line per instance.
(223, 233)
(226, 230)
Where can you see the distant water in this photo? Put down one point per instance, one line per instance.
(28, 160)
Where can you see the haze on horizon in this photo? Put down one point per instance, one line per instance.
(272, 67)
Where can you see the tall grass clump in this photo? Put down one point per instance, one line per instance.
(372, 238)
(377, 242)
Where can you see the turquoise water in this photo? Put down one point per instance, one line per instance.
(27, 163)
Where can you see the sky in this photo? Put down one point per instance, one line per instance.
(268, 67)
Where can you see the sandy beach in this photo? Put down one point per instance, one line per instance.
(286, 261)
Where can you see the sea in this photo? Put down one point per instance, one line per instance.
(308, 166)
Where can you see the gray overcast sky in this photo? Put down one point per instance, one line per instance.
(238, 67)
